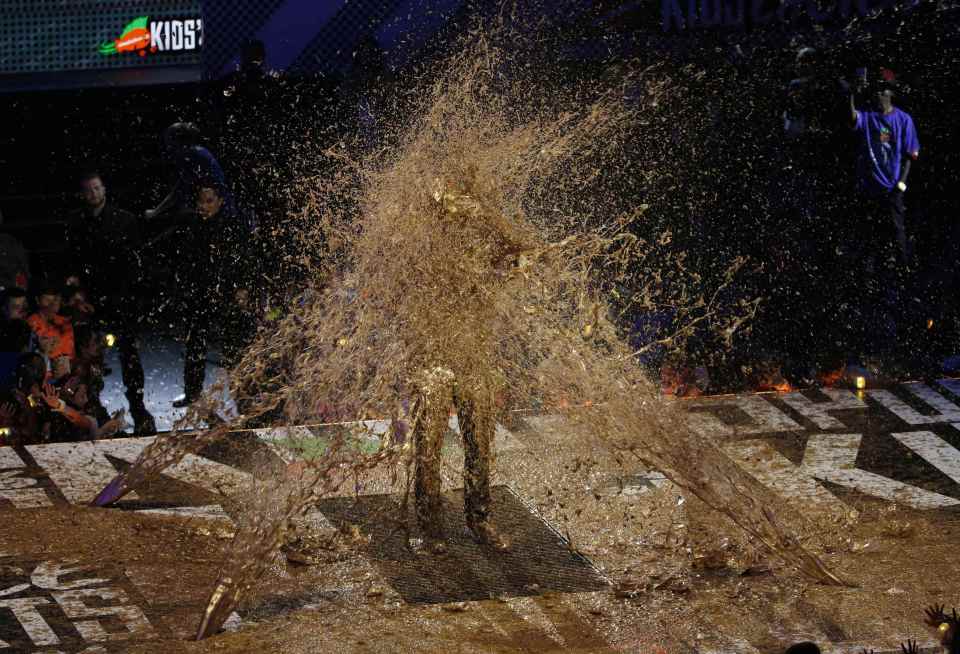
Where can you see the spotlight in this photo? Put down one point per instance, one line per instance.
(861, 383)
(4, 431)
(109, 339)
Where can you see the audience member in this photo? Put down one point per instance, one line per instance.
(47, 323)
(78, 422)
(25, 412)
(216, 275)
(14, 304)
(104, 243)
(196, 168)
(77, 306)
(16, 338)
(89, 367)
(14, 261)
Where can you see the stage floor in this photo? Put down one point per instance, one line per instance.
(162, 360)
(605, 556)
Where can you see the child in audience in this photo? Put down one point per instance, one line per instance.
(48, 323)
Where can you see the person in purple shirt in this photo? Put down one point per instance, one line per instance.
(888, 146)
(196, 168)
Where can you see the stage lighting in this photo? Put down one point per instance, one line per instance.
(861, 383)
(109, 339)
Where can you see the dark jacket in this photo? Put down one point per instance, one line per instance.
(105, 251)
(216, 258)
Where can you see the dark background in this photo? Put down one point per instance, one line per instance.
(321, 49)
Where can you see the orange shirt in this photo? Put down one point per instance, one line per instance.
(59, 328)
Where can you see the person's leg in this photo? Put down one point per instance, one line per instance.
(429, 427)
(195, 359)
(898, 213)
(131, 369)
(889, 273)
(475, 411)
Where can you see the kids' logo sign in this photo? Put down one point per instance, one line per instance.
(142, 35)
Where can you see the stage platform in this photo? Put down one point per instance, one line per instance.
(606, 556)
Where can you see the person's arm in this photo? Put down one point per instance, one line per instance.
(167, 204)
(905, 170)
(75, 418)
(910, 150)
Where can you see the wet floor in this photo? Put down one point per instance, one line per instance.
(606, 555)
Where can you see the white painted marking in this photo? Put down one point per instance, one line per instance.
(770, 468)
(503, 438)
(738, 646)
(209, 475)
(544, 423)
(13, 590)
(274, 438)
(706, 424)
(21, 490)
(274, 434)
(10, 459)
(130, 615)
(24, 609)
(209, 512)
(80, 470)
(819, 412)
(233, 622)
(946, 411)
(936, 451)
(952, 385)
(47, 576)
(316, 521)
(765, 417)
(376, 427)
(529, 611)
(832, 457)
(26, 498)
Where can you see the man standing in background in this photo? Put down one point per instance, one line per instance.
(887, 147)
(104, 244)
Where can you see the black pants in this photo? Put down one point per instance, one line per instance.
(884, 254)
(231, 326)
(195, 358)
(126, 329)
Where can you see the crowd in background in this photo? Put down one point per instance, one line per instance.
(52, 340)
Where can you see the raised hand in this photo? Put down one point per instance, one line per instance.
(50, 396)
(910, 647)
(935, 615)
